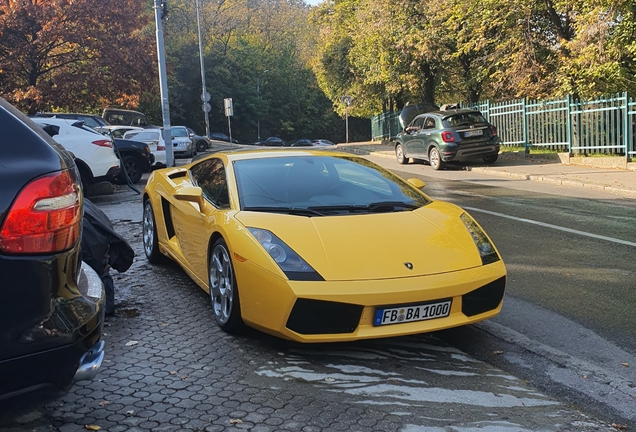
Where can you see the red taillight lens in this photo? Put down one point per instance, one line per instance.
(103, 143)
(44, 218)
(448, 136)
(160, 147)
(493, 130)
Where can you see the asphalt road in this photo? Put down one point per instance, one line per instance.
(568, 321)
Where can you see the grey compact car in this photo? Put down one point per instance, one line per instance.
(456, 135)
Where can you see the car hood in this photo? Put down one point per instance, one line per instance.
(430, 240)
(180, 140)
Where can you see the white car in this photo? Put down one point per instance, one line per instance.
(94, 153)
(154, 139)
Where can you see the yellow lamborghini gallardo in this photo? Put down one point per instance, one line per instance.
(319, 246)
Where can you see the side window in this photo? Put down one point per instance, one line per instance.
(210, 176)
(418, 122)
(429, 123)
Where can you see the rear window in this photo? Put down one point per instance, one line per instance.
(142, 136)
(465, 119)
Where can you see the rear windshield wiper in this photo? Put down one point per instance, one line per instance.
(289, 210)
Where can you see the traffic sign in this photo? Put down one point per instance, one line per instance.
(207, 107)
(205, 97)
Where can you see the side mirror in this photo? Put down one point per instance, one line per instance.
(417, 183)
(191, 194)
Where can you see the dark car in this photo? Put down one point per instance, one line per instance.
(201, 143)
(272, 142)
(136, 159)
(115, 116)
(220, 136)
(90, 120)
(51, 313)
(440, 137)
(301, 142)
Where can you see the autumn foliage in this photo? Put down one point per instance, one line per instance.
(81, 55)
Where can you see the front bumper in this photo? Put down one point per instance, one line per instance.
(346, 309)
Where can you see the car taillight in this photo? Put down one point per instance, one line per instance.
(160, 147)
(44, 218)
(448, 136)
(493, 130)
(103, 143)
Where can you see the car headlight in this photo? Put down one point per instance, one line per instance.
(486, 249)
(294, 267)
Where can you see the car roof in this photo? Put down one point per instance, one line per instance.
(56, 121)
(449, 113)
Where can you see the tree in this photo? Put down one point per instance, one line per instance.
(79, 55)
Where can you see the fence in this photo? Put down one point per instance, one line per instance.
(605, 125)
(385, 126)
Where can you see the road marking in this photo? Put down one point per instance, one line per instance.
(556, 227)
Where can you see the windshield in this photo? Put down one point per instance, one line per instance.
(322, 185)
(178, 132)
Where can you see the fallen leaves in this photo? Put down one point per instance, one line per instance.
(497, 352)
(104, 403)
(619, 426)
(92, 427)
(235, 421)
(131, 343)
(625, 364)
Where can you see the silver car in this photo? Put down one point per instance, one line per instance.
(183, 145)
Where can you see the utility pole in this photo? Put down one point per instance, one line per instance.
(347, 102)
(160, 12)
(205, 96)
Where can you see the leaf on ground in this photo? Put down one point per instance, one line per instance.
(619, 426)
(131, 412)
(584, 376)
(236, 421)
(497, 352)
(103, 403)
(92, 427)
(173, 372)
(131, 343)
(625, 364)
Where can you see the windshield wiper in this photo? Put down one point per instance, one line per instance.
(289, 210)
(377, 207)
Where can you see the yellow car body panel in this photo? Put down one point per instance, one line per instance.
(361, 257)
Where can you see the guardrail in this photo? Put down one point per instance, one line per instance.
(604, 125)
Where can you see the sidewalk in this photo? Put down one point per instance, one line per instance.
(620, 182)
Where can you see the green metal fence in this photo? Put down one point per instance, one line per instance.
(604, 125)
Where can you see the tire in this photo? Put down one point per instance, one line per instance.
(133, 168)
(435, 159)
(201, 146)
(224, 294)
(491, 159)
(399, 155)
(149, 227)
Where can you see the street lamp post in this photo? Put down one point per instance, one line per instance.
(163, 82)
(258, 92)
(205, 96)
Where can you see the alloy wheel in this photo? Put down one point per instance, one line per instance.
(221, 284)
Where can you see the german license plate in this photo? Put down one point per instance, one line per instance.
(410, 313)
(476, 132)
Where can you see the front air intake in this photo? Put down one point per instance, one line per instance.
(485, 298)
(323, 317)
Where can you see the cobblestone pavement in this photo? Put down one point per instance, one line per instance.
(169, 368)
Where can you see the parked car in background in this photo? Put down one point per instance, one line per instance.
(440, 137)
(124, 117)
(322, 142)
(301, 142)
(51, 313)
(183, 144)
(220, 136)
(271, 142)
(201, 143)
(94, 154)
(117, 131)
(154, 139)
(91, 120)
(136, 159)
